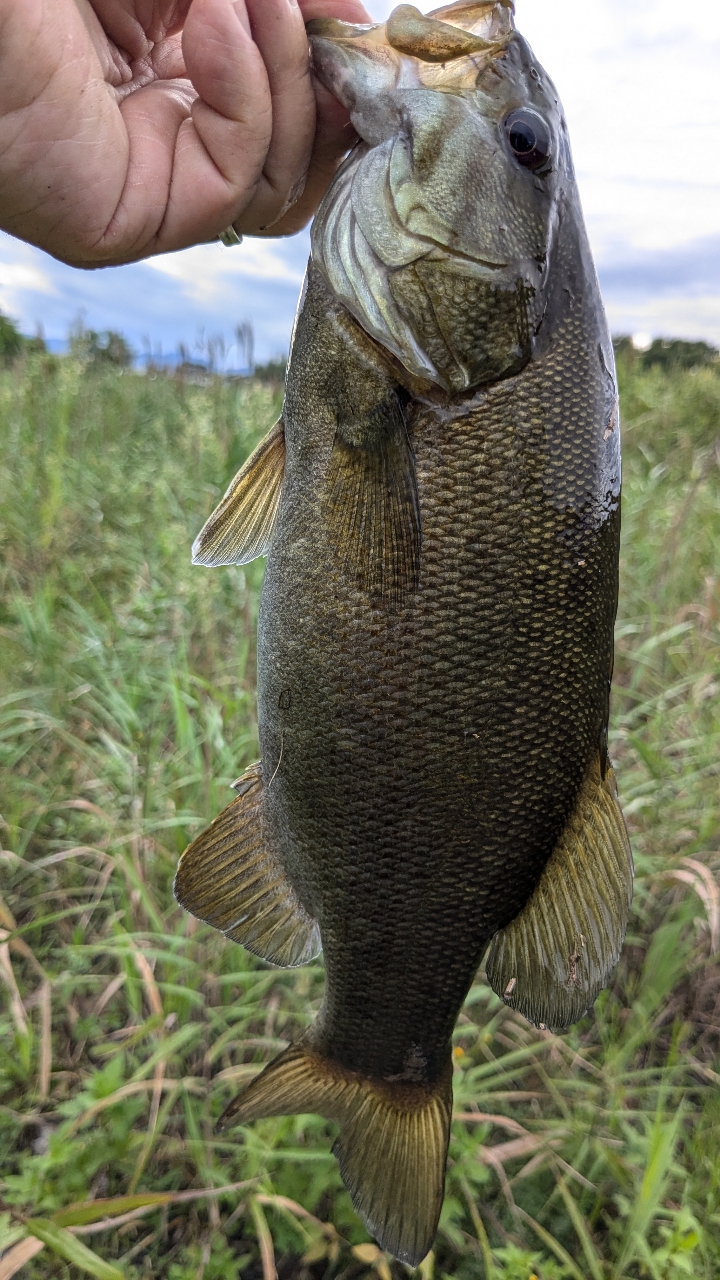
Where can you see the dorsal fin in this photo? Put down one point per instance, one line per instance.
(240, 528)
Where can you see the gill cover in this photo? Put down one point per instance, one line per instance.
(433, 236)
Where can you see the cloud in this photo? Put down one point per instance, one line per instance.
(165, 301)
(690, 271)
(674, 317)
(15, 275)
(673, 293)
(21, 273)
(208, 273)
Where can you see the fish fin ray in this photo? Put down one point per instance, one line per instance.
(230, 878)
(241, 526)
(392, 1144)
(372, 509)
(551, 962)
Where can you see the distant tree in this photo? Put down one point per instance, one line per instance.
(36, 345)
(12, 341)
(272, 370)
(666, 353)
(676, 354)
(113, 348)
(104, 348)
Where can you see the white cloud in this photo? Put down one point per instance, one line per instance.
(211, 272)
(20, 272)
(638, 79)
(690, 318)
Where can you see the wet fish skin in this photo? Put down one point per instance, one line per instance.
(431, 757)
(435, 631)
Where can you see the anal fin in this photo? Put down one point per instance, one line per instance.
(230, 878)
(392, 1144)
(240, 528)
(554, 958)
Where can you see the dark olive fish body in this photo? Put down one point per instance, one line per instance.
(431, 755)
(441, 508)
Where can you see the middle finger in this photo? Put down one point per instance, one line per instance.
(279, 32)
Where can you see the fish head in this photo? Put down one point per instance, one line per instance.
(368, 66)
(437, 232)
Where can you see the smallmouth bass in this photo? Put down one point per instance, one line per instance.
(439, 504)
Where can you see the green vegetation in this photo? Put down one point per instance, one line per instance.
(671, 354)
(13, 342)
(95, 348)
(272, 371)
(126, 709)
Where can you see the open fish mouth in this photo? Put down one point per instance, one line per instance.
(414, 238)
(453, 31)
(443, 50)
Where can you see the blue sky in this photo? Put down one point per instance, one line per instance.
(639, 82)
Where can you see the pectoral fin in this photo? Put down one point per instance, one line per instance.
(231, 878)
(555, 957)
(372, 509)
(240, 528)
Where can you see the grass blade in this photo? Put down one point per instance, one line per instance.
(65, 1244)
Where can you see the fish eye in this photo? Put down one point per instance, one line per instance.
(529, 138)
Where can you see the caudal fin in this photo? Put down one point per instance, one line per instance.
(392, 1144)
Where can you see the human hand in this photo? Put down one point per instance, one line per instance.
(135, 127)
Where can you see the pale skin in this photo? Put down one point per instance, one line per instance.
(135, 127)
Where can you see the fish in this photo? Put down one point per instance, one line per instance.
(439, 505)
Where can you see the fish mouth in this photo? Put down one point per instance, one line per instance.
(444, 50)
(453, 31)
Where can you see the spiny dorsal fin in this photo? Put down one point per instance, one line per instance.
(240, 528)
(372, 509)
(392, 1144)
(230, 878)
(556, 956)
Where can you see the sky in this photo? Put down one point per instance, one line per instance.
(639, 83)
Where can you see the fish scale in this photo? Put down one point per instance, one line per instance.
(440, 509)
(407, 729)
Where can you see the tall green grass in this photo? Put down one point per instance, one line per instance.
(126, 709)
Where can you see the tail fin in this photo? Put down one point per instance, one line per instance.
(392, 1144)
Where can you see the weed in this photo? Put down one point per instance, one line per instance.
(127, 708)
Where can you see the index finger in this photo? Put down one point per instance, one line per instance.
(334, 135)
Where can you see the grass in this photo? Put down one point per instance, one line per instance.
(127, 707)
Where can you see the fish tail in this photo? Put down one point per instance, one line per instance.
(392, 1144)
